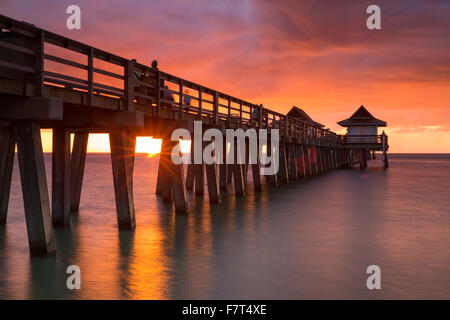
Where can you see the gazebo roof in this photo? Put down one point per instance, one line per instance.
(296, 112)
(362, 117)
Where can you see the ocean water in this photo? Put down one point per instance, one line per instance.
(304, 241)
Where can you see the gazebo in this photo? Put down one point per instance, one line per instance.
(362, 134)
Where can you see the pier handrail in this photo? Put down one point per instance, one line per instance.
(358, 139)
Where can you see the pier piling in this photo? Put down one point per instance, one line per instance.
(77, 164)
(293, 172)
(34, 188)
(213, 183)
(7, 146)
(122, 153)
(61, 177)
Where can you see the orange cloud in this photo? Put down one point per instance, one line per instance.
(315, 54)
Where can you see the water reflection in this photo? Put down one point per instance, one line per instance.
(311, 240)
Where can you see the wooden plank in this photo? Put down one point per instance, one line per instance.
(17, 48)
(16, 66)
(30, 108)
(64, 77)
(65, 61)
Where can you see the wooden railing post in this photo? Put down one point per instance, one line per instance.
(215, 107)
(260, 115)
(129, 86)
(180, 95)
(158, 92)
(200, 103)
(286, 124)
(39, 62)
(240, 113)
(90, 77)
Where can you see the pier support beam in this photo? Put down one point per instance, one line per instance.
(315, 157)
(283, 170)
(224, 169)
(190, 175)
(326, 159)
(171, 183)
(312, 165)
(256, 174)
(238, 173)
(238, 177)
(7, 145)
(348, 158)
(320, 159)
(333, 158)
(122, 157)
(363, 159)
(229, 173)
(305, 153)
(293, 172)
(61, 177)
(161, 180)
(77, 164)
(163, 185)
(34, 188)
(177, 183)
(385, 160)
(330, 159)
(300, 161)
(272, 180)
(213, 183)
(199, 170)
(212, 178)
(223, 177)
(246, 164)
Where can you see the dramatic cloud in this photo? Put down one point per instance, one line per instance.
(315, 54)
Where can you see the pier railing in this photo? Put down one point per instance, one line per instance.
(363, 139)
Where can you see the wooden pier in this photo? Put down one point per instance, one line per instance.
(50, 81)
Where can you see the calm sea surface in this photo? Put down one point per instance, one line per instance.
(310, 240)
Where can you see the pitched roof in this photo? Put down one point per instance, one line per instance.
(296, 112)
(362, 117)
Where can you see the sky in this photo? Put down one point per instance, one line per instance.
(317, 55)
